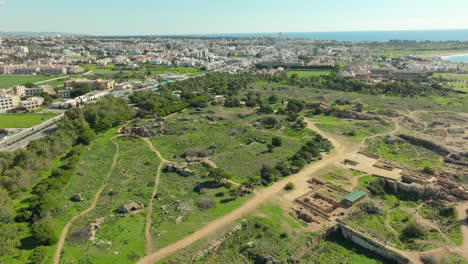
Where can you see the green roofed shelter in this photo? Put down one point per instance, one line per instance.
(353, 197)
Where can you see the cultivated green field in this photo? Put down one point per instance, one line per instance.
(307, 74)
(8, 81)
(23, 120)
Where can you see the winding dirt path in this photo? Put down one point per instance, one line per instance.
(261, 197)
(65, 230)
(149, 219)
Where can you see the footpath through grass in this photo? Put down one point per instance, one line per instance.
(120, 237)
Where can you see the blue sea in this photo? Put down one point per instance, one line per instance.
(381, 36)
(457, 58)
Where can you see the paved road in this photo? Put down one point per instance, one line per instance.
(23, 143)
(21, 139)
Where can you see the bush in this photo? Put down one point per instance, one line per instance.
(289, 186)
(276, 141)
(428, 170)
(413, 230)
(196, 152)
(206, 203)
(43, 232)
(38, 255)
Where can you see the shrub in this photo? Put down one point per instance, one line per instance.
(196, 152)
(428, 170)
(276, 141)
(38, 255)
(289, 186)
(413, 230)
(43, 232)
(205, 203)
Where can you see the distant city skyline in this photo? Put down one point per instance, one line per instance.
(187, 17)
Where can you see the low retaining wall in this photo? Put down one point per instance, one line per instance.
(369, 244)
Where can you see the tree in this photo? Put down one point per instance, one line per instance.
(80, 90)
(269, 122)
(428, 170)
(234, 193)
(219, 174)
(29, 85)
(251, 103)
(266, 109)
(270, 147)
(289, 186)
(273, 99)
(276, 141)
(413, 230)
(9, 239)
(44, 233)
(232, 102)
(38, 255)
(6, 206)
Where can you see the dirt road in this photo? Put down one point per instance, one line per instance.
(261, 197)
(65, 230)
(148, 237)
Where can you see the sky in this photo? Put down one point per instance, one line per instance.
(172, 17)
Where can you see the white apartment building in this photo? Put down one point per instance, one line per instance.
(53, 71)
(8, 102)
(65, 93)
(41, 89)
(31, 103)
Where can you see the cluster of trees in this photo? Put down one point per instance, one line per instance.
(165, 103)
(80, 90)
(309, 152)
(19, 171)
(217, 83)
(404, 88)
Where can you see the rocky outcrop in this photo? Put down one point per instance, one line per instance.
(217, 243)
(94, 227)
(180, 168)
(76, 198)
(441, 150)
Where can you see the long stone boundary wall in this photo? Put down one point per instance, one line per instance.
(370, 244)
(441, 150)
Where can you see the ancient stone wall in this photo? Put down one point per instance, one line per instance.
(370, 244)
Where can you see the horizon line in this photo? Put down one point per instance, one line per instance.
(226, 34)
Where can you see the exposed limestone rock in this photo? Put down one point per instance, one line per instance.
(76, 198)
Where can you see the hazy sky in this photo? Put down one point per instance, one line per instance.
(114, 17)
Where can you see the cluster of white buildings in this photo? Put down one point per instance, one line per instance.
(51, 70)
(10, 98)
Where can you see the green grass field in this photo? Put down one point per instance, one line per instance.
(356, 130)
(8, 81)
(166, 229)
(307, 74)
(404, 153)
(372, 102)
(132, 179)
(240, 149)
(23, 120)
